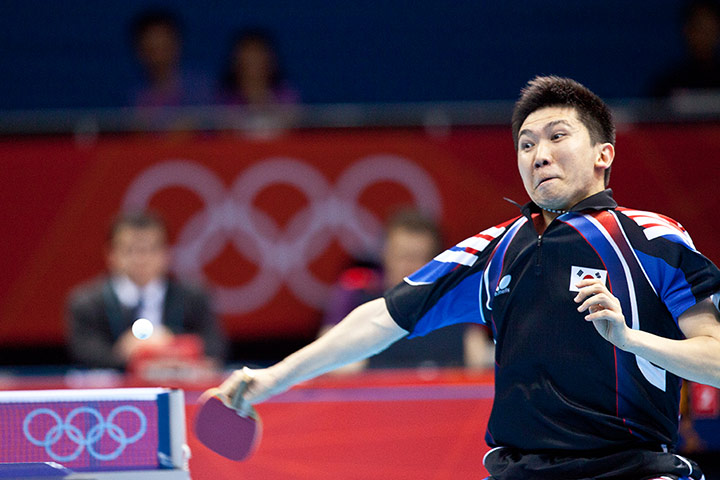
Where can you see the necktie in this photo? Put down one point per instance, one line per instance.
(137, 310)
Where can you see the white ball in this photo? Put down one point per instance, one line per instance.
(142, 328)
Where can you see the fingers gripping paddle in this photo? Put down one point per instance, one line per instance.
(220, 426)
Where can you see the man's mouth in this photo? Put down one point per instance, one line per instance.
(545, 180)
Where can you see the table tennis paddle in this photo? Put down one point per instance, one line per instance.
(220, 427)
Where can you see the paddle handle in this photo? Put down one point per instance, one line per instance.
(237, 399)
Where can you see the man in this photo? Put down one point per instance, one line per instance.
(699, 71)
(101, 313)
(157, 39)
(596, 310)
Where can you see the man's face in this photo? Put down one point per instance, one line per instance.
(139, 253)
(405, 252)
(558, 162)
(255, 61)
(159, 49)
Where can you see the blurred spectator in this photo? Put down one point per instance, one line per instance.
(157, 39)
(699, 425)
(101, 313)
(252, 74)
(411, 240)
(700, 69)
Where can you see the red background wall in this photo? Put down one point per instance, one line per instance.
(58, 197)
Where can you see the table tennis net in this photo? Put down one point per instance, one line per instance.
(88, 430)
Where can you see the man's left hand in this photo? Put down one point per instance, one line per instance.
(604, 311)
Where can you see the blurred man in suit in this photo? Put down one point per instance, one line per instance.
(101, 313)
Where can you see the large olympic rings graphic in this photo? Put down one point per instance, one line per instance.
(282, 255)
(89, 440)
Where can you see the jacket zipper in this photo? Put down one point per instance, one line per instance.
(538, 265)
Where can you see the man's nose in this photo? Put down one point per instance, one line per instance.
(542, 155)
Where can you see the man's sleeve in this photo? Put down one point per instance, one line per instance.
(446, 291)
(680, 274)
(695, 279)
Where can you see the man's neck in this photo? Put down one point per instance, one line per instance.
(542, 221)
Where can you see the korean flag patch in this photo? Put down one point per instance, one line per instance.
(583, 273)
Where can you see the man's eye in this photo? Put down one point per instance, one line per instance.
(526, 145)
(558, 135)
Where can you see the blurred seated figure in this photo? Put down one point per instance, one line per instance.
(137, 285)
(699, 425)
(411, 240)
(699, 71)
(157, 40)
(252, 75)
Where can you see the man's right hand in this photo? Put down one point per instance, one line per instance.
(262, 385)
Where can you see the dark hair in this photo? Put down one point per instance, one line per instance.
(416, 222)
(151, 18)
(702, 7)
(553, 91)
(137, 220)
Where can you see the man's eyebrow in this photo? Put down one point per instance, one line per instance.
(526, 131)
(558, 122)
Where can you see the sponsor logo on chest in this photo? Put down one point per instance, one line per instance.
(503, 285)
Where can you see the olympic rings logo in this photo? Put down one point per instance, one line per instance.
(83, 441)
(281, 255)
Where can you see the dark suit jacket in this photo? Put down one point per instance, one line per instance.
(96, 319)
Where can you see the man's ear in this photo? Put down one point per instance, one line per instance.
(606, 156)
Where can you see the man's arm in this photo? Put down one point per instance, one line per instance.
(696, 358)
(365, 331)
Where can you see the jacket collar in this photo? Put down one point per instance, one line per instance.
(600, 201)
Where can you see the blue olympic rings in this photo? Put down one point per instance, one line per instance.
(94, 434)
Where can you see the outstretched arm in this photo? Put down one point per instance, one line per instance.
(365, 331)
(696, 358)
